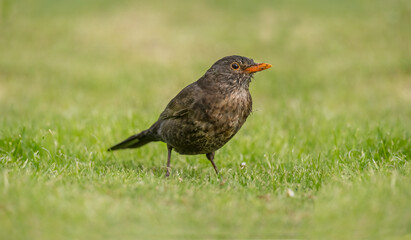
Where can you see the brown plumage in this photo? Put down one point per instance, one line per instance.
(206, 114)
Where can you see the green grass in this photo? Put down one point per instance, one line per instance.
(331, 120)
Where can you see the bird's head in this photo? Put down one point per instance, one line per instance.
(234, 70)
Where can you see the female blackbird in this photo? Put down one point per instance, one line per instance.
(206, 114)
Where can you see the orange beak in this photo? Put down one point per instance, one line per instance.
(258, 67)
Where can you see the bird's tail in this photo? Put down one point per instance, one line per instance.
(135, 141)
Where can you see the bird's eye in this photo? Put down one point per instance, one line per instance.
(235, 65)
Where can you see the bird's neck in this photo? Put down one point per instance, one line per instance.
(223, 84)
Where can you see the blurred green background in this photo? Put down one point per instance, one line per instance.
(331, 120)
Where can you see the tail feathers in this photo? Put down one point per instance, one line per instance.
(134, 141)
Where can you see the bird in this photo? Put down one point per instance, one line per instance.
(206, 114)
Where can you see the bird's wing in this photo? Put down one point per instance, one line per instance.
(181, 104)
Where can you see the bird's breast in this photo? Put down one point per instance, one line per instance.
(227, 113)
(221, 118)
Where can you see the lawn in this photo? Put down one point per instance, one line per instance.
(327, 148)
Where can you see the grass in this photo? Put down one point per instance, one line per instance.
(331, 120)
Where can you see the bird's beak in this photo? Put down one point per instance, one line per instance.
(258, 67)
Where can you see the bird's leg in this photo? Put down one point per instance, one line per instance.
(210, 156)
(169, 148)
